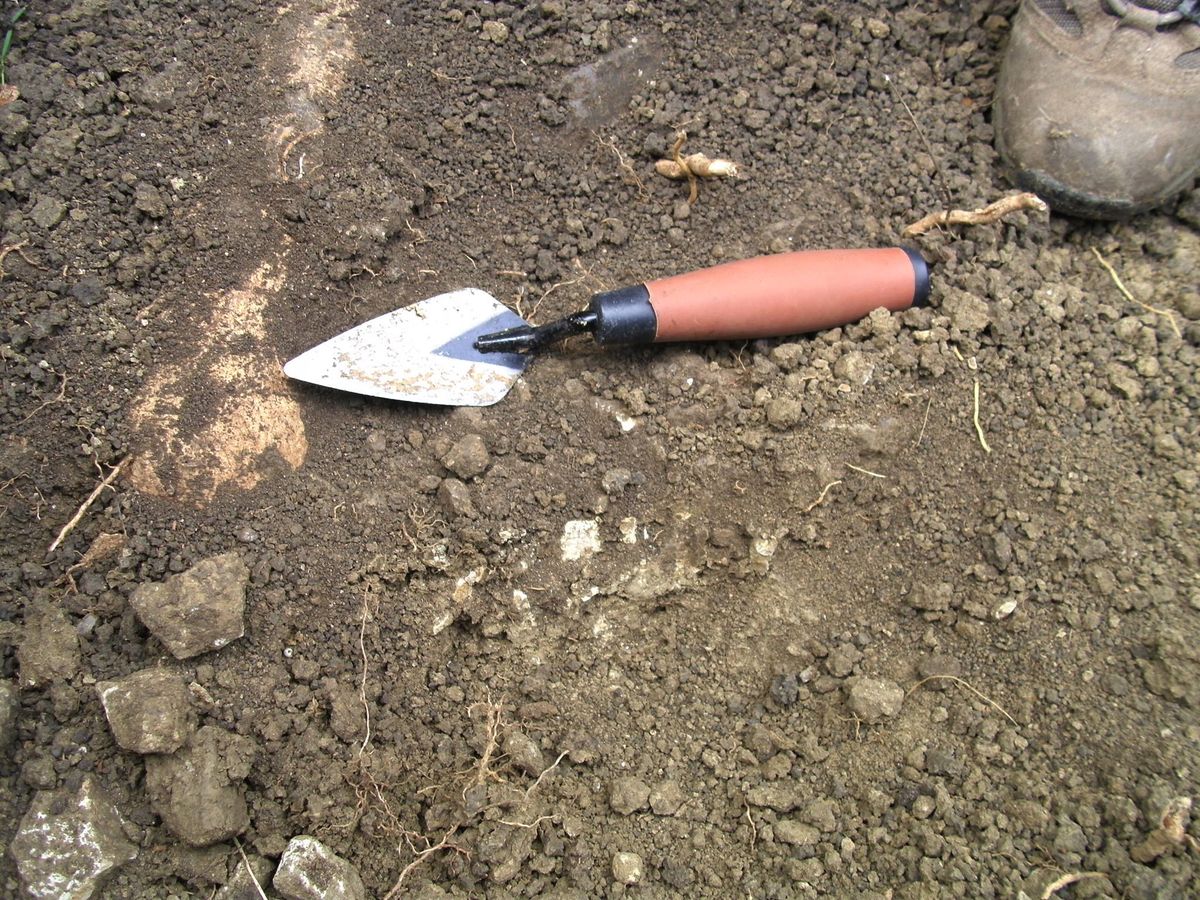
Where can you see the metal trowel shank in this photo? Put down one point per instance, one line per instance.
(423, 353)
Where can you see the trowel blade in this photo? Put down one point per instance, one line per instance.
(422, 353)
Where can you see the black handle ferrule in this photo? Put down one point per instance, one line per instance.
(624, 316)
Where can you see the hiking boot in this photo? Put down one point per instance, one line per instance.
(1098, 103)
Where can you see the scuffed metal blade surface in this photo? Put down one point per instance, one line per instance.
(422, 353)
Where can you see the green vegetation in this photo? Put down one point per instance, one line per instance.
(6, 45)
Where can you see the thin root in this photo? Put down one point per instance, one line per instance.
(17, 248)
(969, 687)
(249, 871)
(443, 844)
(629, 175)
(1059, 883)
(1132, 299)
(864, 471)
(984, 216)
(75, 519)
(975, 418)
(821, 498)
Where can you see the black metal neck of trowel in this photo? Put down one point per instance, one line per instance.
(623, 316)
(530, 338)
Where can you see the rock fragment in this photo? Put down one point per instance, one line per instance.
(524, 753)
(468, 458)
(149, 712)
(68, 844)
(875, 699)
(9, 708)
(455, 498)
(198, 610)
(49, 647)
(628, 868)
(311, 871)
(198, 791)
(665, 798)
(628, 795)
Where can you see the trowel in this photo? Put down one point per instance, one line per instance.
(465, 348)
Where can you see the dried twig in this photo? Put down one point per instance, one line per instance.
(975, 417)
(984, 216)
(1070, 878)
(1132, 299)
(969, 687)
(75, 519)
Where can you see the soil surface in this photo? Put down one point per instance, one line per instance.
(904, 609)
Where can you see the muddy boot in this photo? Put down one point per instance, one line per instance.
(1098, 103)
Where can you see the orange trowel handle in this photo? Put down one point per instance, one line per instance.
(768, 296)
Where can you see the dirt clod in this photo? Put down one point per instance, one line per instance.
(875, 699)
(198, 790)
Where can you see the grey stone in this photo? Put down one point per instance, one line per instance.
(799, 834)
(455, 498)
(48, 212)
(523, 752)
(49, 647)
(665, 798)
(10, 707)
(496, 32)
(842, 660)
(875, 699)
(468, 458)
(68, 844)
(628, 868)
(198, 610)
(311, 871)
(149, 712)
(616, 480)
(1070, 840)
(149, 200)
(628, 795)
(198, 791)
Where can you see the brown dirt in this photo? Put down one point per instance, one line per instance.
(208, 189)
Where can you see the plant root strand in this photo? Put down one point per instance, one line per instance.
(984, 216)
